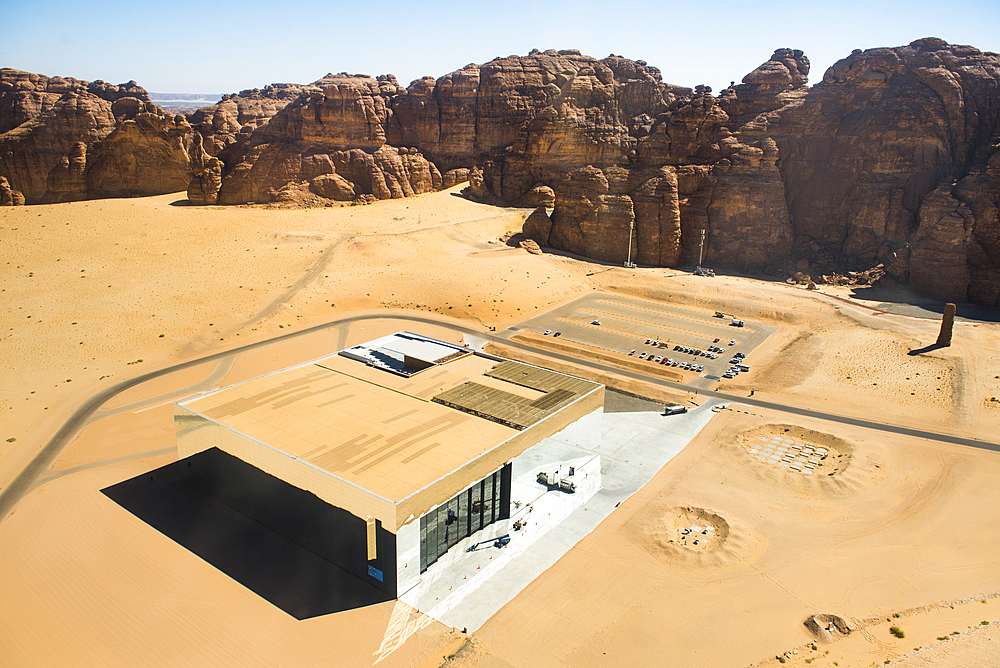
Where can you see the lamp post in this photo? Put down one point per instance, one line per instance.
(701, 249)
(628, 262)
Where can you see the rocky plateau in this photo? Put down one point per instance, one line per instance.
(887, 170)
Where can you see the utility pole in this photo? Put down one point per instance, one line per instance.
(701, 249)
(628, 262)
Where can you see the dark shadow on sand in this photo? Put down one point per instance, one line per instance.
(913, 304)
(925, 349)
(284, 544)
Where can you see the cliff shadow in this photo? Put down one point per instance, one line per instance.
(267, 535)
(902, 300)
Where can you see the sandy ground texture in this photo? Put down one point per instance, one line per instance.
(787, 546)
(95, 293)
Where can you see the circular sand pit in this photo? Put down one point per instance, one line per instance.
(798, 450)
(692, 537)
(696, 529)
(807, 461)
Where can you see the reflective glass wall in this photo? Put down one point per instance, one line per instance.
(478, 506)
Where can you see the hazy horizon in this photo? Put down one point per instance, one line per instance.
(254, 45)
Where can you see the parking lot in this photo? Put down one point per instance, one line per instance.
(627, 322)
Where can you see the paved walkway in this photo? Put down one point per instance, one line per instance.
(634, 447)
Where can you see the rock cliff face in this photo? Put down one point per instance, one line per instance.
(330, 142)
(881, 156)
(889, 166)
(66, 139)
(890, 161)
(525, 120)
(235, 116)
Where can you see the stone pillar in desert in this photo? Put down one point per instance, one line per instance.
(947, 322)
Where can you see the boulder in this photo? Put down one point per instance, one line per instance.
(454, 176)
(9, 197)
(539, 196)
(204, 185)
(531, 246)
(538, 226)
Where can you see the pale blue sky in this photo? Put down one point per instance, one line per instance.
(224, 46)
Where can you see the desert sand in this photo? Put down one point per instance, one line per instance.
(96, 293)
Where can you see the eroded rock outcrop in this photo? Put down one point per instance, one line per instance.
(331, 142)
(889, 162)
(9, 196)
(146, 154)
(235, 117)
(888, 167)
(868, 154)
(64, 139)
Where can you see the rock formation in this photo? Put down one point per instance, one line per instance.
(887, 168)
(235, 116)
(947, 323)
(8, 196)
(65, 139)
(331, 142)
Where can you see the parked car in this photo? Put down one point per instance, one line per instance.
(632, 352)
(547, 332)
(556, 334)
(595, 322)
(642, 356)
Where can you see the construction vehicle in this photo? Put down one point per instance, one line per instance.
(498, 543)
(736, 323)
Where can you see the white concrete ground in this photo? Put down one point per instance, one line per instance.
(634, 446)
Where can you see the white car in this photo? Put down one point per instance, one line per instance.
(732, 342)
(547, 332)
(632, 352)
(642, 356)
(648, 341)
(598, 322)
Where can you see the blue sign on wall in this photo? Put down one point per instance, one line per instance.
(375, 573)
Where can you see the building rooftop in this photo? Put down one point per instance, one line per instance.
(392, 434)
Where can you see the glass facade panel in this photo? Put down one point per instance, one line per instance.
(476, 508)
(460, 517)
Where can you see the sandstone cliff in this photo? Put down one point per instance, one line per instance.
(235, 116)
(62, 139)
(889, 164)
(889, 161)
(329, 143)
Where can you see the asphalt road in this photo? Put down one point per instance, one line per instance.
(13, 493)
